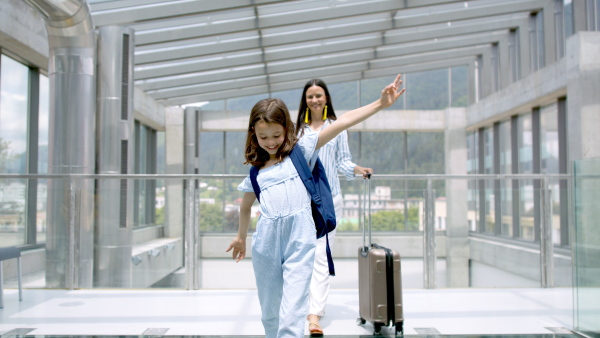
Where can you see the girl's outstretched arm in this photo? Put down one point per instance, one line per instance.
(239, 242)
(389, 95)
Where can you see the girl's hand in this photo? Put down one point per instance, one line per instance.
(239, 249)
(358, 170)
(390, 94)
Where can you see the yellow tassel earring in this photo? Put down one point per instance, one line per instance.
(306, 116)
(325, 113)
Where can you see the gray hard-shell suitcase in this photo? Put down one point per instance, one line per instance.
(379, 280)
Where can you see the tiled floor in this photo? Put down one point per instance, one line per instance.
(526, 311)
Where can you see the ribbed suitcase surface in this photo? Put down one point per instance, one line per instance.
(379, 284)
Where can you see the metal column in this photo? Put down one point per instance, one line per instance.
(429, 257)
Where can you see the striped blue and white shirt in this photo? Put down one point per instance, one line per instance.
(335, 155)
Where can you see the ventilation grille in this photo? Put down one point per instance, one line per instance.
(123, 188)
(125, 79)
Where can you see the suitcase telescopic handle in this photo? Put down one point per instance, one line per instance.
(367, 216)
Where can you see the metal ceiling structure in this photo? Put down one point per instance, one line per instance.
(188, 51)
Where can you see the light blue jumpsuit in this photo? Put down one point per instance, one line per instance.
(283, 245)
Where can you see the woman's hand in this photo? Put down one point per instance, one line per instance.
(239, 248)
(390, 94)
(358, 170)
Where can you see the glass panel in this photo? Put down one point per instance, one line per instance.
(488, 158)
(291, 98)
(142, 158)
(460, 86)
(540, 40)
(428, 90)
(42, 187)
(472, 168)
(161, 166)
(212, 152)
(214, 105)
(568, 17)
(585, 245)
(14, 81)
(234, 152)
(244, 103)
(549, 158)
(370, 90)
(506, 185)
(219, 201)
(344, 95)
(525, 142)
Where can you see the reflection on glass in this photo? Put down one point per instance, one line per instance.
(526, 207)
(506, 227)
(585, 245)
(549, 158)
(434, 83)
(472, 168)
(14, 82)
(161, 165)
(488, 168)
(459, 91)
(42, 186)
(219, 203)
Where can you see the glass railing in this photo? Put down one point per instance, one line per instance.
(171, 231)
(586, 245)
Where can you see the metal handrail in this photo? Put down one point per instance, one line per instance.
(231, 176)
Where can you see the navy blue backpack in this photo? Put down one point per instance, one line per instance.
(316, 183)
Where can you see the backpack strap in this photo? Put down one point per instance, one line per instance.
(253, 174)
(305, 174)
(307, 178)
(329, 257)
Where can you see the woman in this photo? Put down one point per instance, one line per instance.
(315, 113)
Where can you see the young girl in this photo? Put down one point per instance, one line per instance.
(283, 244)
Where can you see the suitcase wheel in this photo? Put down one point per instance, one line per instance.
(360, 321)
(400, 328)
(377, 328)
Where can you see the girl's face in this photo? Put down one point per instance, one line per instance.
(270, 136)
(316, 99)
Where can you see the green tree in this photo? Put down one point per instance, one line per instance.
(393, 220)
(160, 216)
(211, 217)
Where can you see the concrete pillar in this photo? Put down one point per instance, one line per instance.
(457, 229)
(174, 141)
(583, 102)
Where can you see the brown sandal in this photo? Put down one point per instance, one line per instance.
(315, 330)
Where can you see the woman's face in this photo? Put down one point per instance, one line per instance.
(316, 99)
(270, 136)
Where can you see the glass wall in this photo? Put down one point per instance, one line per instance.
(518, 145)
(13, 144)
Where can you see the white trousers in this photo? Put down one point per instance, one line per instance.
(319, 284)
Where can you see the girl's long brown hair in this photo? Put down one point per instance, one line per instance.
(270, 111)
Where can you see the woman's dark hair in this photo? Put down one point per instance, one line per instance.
(302, 109)
(269, 111)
